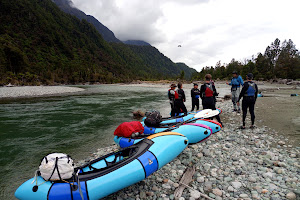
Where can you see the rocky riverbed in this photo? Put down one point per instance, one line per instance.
(33, 91)
(232, 164)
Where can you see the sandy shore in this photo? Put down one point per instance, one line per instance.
(35, 91)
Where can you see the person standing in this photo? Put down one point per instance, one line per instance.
(179, 101)
(171, 95)
(249, 95)
(195, 94)
(236, 83)
(208, 95)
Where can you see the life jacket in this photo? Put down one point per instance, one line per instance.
(209, 91)
(235, 82)
(171, 96)
(177, 94)
(251, 90)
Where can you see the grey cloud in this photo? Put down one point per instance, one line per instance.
(133, 21)
(187, 2)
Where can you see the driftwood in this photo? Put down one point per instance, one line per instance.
(138, 114)
(186, 178)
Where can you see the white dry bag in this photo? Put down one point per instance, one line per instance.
(56, 166)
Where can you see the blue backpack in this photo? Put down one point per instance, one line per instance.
(251, 90)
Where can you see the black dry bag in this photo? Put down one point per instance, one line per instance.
(153, 119)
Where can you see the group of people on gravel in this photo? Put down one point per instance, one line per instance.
(208, 94)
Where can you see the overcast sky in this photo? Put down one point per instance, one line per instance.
(207, 30)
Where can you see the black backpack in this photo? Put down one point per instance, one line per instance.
(153, 119)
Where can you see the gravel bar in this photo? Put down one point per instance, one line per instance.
(35, 91)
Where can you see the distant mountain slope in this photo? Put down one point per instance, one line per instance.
(66, 6)
(136, 42)
(160, 63)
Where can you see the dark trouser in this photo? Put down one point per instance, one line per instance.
(172, 109)
(180, 107)
(248, 102)
(210, 103)
(195, 102)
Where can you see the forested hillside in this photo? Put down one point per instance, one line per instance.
(280, 60)
(66, 6)
(160, 63)
(39, 43)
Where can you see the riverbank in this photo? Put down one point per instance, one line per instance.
(36, 91)
(232, 164)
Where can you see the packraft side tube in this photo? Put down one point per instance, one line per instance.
(194, 132)
(215, 126)
(119, 170)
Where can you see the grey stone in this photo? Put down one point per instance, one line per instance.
(238, 171)
(212, 195)
(291, 196)
(208, 186)
(206, 152)
(200, 179)
(195, 194)
(227, 179)
(142, 195)
(217, 192)
(230, 189)
(244, 195)
(166, 186)
(252, 179)
(236, 184)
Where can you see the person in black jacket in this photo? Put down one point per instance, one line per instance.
(195, 94)
(249, 95)
(208, 95)
(179, 100)
(171, 95)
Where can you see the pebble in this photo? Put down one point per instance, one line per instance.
(264, 191)
(238, 172)
(230, 189)
(236, 185)
(291, 196)
(217, 192)
(208, 186)
(195, 194)
(244, 195)
(200, 179)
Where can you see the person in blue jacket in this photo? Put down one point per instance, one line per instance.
(249, 95)
(195, 94)
(236, 83)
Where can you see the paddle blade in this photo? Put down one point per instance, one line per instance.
(203, 113)
(212, 114)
